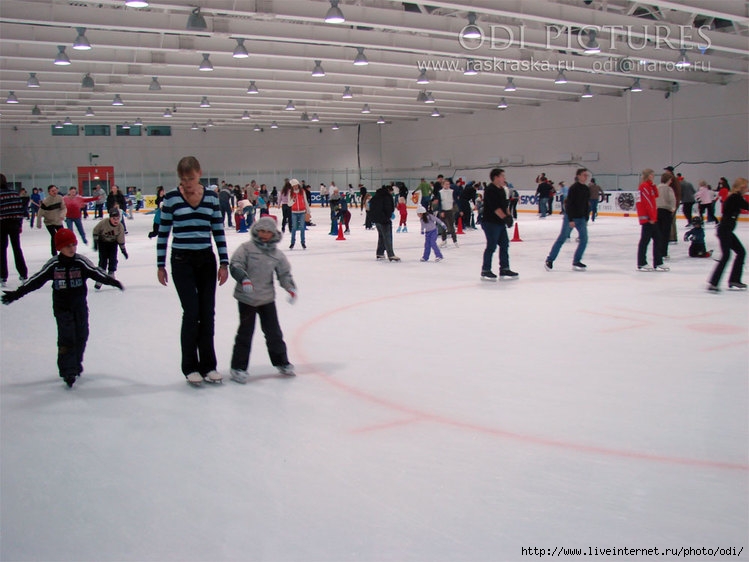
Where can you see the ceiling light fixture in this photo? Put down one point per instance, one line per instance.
(334, 15)
(257, 128)
(62, 58)
(117, 100)
(290, 106)
(683, 61)
(274, 125)
(361, 58)
(36, 110)
(196, 21)
(126, 125)
(335, 126)
(510, 87)
(209, 123)
(347, 95)
(636, 87)
(240, 51)
(246, 115)
(138, 122)
(318, 71)
(314, 118)
(154, 85)
(67, 121)
(381, 120)
(89, 112)
(81, 42)
(136, 3)
(471, 31)
(470, 68)
(591, 45)
(436, 113)
(87, 82)
(167, 112)
(252, 89)
(587, 93)
(429, 98)
(33, 81)
(204, 102)
(561, 78)
(422, 79)
(502, 104)
(205, 64)
(58, 125)
(194, 127)
(366, 109)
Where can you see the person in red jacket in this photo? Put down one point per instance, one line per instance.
(647, 213)
(74, 203)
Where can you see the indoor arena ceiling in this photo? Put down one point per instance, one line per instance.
(150, 57)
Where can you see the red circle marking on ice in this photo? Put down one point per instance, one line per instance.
(717, 329)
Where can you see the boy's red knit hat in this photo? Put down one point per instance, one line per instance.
(64, 237)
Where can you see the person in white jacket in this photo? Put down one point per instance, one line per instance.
(253, 265)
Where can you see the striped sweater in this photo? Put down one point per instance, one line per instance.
(11, 206)
(192, 227)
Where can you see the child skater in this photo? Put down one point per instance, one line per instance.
(252, 266)
(429, 225)
(403, 211)
(108, 234)
(68, 272)
(697, 248)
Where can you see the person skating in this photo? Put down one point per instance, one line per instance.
(253, 266)
(68, 272)
(576, 208)
(732, 208)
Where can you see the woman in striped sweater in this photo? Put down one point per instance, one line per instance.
(193, 214)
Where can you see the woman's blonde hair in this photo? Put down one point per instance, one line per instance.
(645, 173)
(738, 185)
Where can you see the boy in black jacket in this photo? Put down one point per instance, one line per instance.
(68, 272)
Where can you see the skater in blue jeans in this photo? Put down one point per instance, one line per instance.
(576, 208)
(429, 228)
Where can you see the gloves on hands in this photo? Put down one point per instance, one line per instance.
(292, 296)
(247, 286)
(9, 296)
(508, 221)
(124, 251)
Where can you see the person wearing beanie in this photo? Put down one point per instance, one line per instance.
(109, 234)
(429, 229)
(252, 266)
(68, 272)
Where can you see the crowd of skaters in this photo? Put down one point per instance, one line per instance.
(195, 218)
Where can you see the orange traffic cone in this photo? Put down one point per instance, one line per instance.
(460, 226)
(516, 236)
(340, 233)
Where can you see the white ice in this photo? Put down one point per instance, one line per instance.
(435, 417)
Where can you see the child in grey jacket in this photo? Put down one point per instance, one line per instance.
(429, 227)
(252, 265)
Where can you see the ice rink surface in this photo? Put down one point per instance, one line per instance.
(435, 417)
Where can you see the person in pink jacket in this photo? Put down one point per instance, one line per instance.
(74, 203)
(647, 213)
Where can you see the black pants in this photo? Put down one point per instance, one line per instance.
(286, 217)
(649, 232)
(687, 210)
(108, 256)
(240, 357)
(226, 213)
(72, 335)
(194, 276)
(728, 242)
(52, 229)
(385, 238)
(665, 218)
(10, 232)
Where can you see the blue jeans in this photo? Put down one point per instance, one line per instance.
(79, 225)
(582, 228)
(297, 224)
(593, 209)
(544, 206)
(496, 235)
(430, 243)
